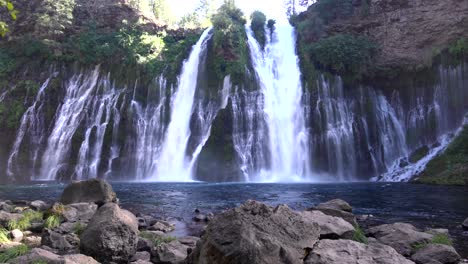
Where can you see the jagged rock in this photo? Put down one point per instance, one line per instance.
(336, 204)
(39, 205)
(401, 236)
(79, 259)
(60, 242)
(436, 253)
(162, 226)
(330, 226)
(5, 217)
(256, 233)
(173, 252)
(79, 212)
(36, 255)
(90, 191)
(465, 224)
(111, 235)
(350, 252)
(16, 235)
(142, 255)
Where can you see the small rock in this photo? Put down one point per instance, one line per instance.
(162, 226)
(90, 191)
(6, 217)
(438, 231)
(436, 253)
(330, 227)
(210, 216)
(200, 218)
(142, 255)
(336, 204)
(401, 236)
(32, 241)
(111, 235)
(39, 205)
(465, 224)
(8, 245)
(172, 252)
(79, 259)
(16, 235)
(37, 227)
(350, 252)
(197, 211)
(36, 255)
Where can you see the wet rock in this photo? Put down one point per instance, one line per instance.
(336, 204)
(38, 255)
(465, 224)
(39, 205)
(162, 226)
(200, 218)
(173, 252)
(436, 253)
(60, 242)
(401, 236)
(330, 226)
(90, 191)
(16, 235)
(350, 252)
(256, 233)
(111, 235)
(5, 217)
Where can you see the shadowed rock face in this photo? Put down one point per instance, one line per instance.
(256, 233)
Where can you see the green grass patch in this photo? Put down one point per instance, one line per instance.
(359, 236)
(155, 239)
(25, 221)
(3, 235)
(53, 221)
(13, 252)
(442, 239)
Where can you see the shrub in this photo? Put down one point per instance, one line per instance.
(330, 10)
(258, 27)
(13, 252)
(346, 55)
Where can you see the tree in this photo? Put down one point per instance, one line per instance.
(54, 18)
(162, 11)
(258, 27)
(10, 8)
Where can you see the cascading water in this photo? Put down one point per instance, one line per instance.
(280, 81)
(172, 164)
(32, 123)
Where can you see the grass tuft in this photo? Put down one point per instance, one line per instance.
(13, 252)
(53, 221)
(3, 235)
(78, 228)
(24, 222)
(442, 239)
(359, 236)
(155, 239)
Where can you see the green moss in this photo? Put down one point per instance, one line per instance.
(13, 252)
(451, 167)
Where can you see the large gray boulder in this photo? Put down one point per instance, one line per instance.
(38, 255)
(90, 191)
(39, 205)
(337, 208)
(330, 226)
(111, 235)
(256, 233)
(79, 212)
(465, 224)
(436, 253)
(401, 236)
(350, 252)
(5, 217)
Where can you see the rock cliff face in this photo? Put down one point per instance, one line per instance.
(408, 31)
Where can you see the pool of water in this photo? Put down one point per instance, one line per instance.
(421, 205)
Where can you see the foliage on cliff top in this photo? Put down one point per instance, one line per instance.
(6, 6)
(451, 167)
(229, 42)
(258, 27)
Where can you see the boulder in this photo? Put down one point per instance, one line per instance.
(79, 212)
(90, 191)
(189, 241)
(60, 242)
(162, 226)
(6, 206)
(173, 252)
(79, 259)
(39, 205)
(32, 241)
(200, 218)
(336, 204)
(111, 235)
(144, 244)
(436, 253)
(465, 224)
(142, 255)
(330, 226)
(328, 251)
(256, 233)
(5, 217)
(38, 255)
(401, 236)
(16, 235)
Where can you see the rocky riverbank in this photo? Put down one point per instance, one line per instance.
(87, 225)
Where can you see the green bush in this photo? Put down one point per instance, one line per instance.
(258, 27)
(13, 252)
(330, 10)
(346, 55)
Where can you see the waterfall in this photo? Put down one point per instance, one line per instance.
(280, 81)
(32, 123)
(172, 164)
